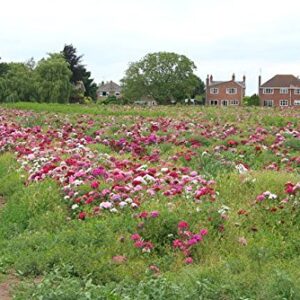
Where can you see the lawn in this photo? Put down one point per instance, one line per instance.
(112, 202)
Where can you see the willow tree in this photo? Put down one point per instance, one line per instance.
(53, 79)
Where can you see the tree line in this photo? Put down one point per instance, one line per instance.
(166, 77)
(58, 78)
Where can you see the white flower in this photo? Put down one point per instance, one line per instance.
(241, 169)
(74, 206)
(128, 200)
(123, 204)
(113, 210)
(105, 205)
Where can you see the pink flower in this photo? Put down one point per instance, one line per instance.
(135, 237)
(119, 259)
(143, 215)
(203, 232)
(260, 197)
(154, 214)
(183, 224)
(139, 244)
(192, 241)
(177, 243)
(188, 260)
(94, 185)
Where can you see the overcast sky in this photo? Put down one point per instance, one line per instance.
(220, 36)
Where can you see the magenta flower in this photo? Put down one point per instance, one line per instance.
(183, 225)
(188, 260)
(154, 214)
(203, 232)
(135, 237)
(139, 244)
(94, 185)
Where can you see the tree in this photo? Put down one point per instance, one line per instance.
(165, 76)
(252, 100)
(17, 83)
(79, 72)
(3, 68)
(53, 79)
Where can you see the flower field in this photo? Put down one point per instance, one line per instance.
(150, 203)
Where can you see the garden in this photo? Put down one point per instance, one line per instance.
(168, 202)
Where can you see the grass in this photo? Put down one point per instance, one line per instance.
(74, 258)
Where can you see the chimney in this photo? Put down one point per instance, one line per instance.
(207, 81)
(211, 78)
(259, 81)
(244, 79)
(233, 77)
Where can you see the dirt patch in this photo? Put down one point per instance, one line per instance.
(7, 286)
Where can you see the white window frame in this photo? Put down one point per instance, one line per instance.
(296, 91)
(297, 102)
(268, 101)
(234, 102)
(231, 91)
(214, 91)
(284, 90)
(284, 103)
(268, 91)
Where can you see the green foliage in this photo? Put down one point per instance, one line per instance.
(252, 100)
(17, 84)
(53, 79)
(164, 76)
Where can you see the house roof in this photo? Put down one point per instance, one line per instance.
(109, 86)
(215, 83)
(282, 81)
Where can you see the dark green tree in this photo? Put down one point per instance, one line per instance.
(3, 68)
(165, 76)
(252, 100)
(79, 72)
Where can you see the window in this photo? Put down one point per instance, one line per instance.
(284, 103)
(234, 102)
(224, 102)
(268, 91)
(284, 91)
(297, 102)
(214, 91)
(104, 94)
(297, 92)
(268, 103)
(117, 93)
(231, 91)
(213, 102)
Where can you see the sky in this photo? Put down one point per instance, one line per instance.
(222, 37)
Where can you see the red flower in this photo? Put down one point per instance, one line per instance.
(82, 215)
(183, 224)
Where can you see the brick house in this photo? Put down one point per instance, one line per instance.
(225, 93)
(108, 89)
(280, 91)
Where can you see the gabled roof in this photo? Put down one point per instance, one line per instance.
(282, 81)
(215, 83)
(109, 86)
